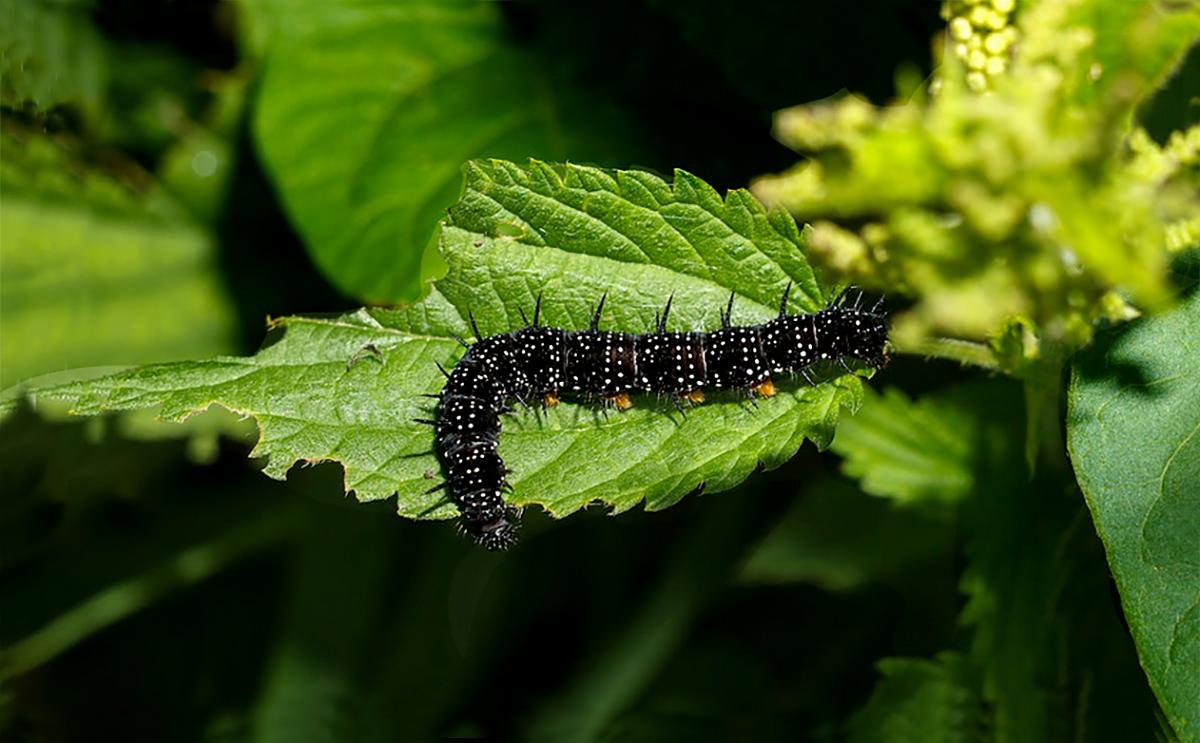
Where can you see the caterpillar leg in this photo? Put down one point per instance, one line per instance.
(677, 401)
(621, 401)
(765, 388)
(492, 537)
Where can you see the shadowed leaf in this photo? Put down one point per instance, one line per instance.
(367, 109)
(1134, 434)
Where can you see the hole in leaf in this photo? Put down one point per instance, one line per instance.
(508, 229)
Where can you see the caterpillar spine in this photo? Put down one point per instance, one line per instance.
(537, 362)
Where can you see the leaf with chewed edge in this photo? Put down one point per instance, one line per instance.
(348, 388)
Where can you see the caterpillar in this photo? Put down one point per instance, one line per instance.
(538, 363)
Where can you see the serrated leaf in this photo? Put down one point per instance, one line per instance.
(922, 700)
(368, 109)
(914, 450)
(1048, 647)
(95, 274)
(1133, 430)
(1055, 661)
(571, 233)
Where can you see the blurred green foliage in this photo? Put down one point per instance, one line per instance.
(51, 54)
(97, 273)
(933, 700)
(171, 174)
(1030, 202)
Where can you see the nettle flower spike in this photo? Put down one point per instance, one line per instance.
(982, 36)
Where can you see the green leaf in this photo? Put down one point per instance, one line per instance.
(1133, 430)
(915, 451)
(95, 274)
(573, 233)
(1018, 562)
(922, 700)
(1138, 46)
(50, 54)
(1055, 660)
(368, 109)
(1048, 647)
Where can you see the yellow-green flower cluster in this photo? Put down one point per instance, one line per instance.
(981, 36)
(1037, 206)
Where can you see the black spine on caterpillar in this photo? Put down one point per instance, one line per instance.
(535, 362)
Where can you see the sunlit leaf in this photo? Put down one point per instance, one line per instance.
(347, 388)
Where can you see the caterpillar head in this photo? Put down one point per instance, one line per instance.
(856, 332)
(863, 335)
(487, 520)
(497, 535)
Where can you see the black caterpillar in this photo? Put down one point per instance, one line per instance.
(537, 363)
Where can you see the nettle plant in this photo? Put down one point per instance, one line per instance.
(1012, 209)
